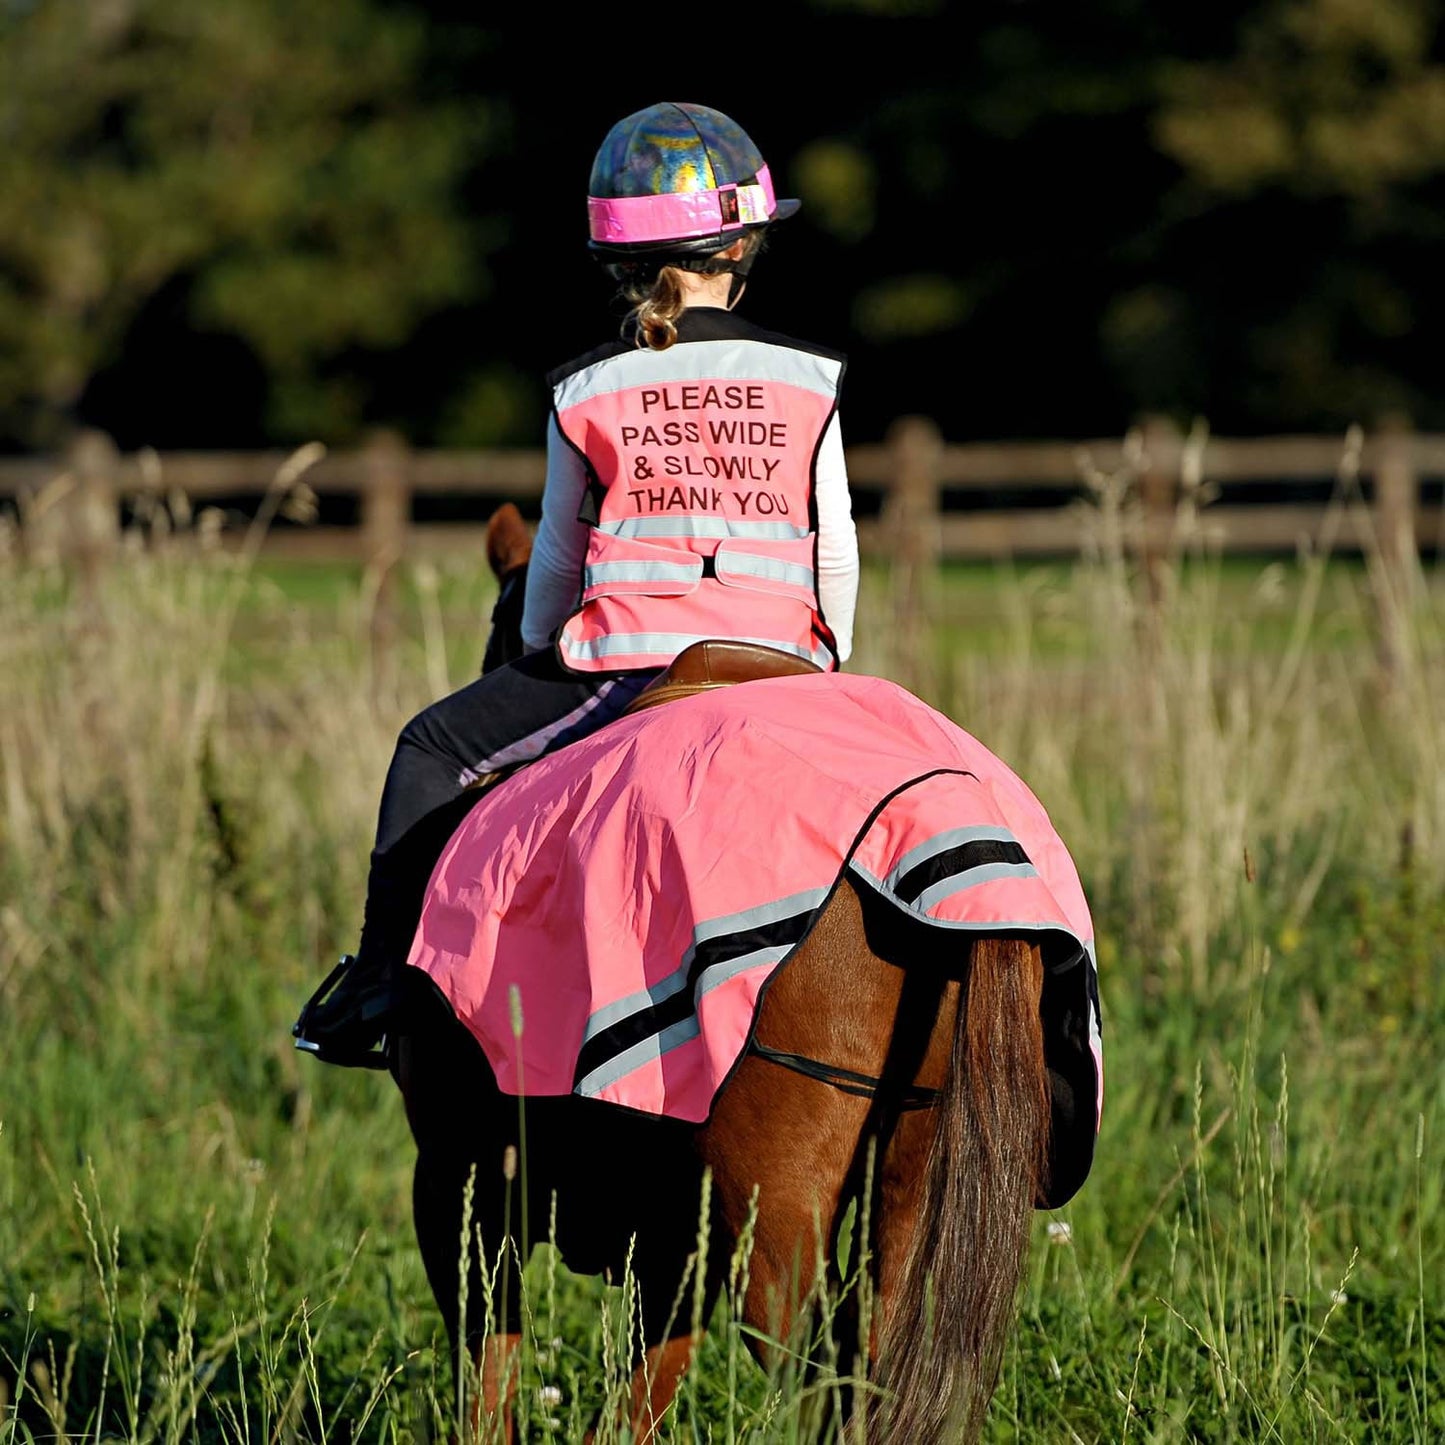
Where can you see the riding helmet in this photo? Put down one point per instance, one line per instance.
(677, 180)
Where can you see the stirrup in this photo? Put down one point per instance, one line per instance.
(345, 1021)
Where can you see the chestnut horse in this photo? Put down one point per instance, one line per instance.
(918, 1096)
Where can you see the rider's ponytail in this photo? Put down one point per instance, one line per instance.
(657, 296)
(655, 309)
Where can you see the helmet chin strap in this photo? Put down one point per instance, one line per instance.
(710, 265)
(739, 270)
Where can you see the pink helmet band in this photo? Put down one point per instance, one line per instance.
(681, 215)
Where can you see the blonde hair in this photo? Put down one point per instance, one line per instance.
(655, 309)
(658, 300)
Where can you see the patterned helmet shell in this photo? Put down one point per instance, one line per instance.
(678, 178)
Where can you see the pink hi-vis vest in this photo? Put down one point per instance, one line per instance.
(700, 459)
(636, 890)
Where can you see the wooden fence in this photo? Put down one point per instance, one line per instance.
(918, 499)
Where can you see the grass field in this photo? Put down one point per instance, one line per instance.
(205, 1236)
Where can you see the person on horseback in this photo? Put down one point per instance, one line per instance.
(696, 489)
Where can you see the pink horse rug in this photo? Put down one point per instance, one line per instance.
(604, 921)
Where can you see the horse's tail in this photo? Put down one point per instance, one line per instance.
(944, 1339)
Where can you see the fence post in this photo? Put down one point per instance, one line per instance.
(913, 541)
(1159, 499)
(385, 523)
(1397, 495)
(76, 516)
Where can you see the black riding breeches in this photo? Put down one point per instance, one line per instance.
(514, 714)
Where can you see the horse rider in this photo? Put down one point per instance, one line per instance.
(696, 488)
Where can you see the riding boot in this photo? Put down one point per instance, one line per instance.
(350, 1018)
(346, 1020)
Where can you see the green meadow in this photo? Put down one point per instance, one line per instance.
(205, 1236)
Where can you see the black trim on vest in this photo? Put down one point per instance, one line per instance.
(826, 637)
(589, 510)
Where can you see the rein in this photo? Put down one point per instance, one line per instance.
(863, 1086)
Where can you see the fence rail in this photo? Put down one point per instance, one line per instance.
(918, 498)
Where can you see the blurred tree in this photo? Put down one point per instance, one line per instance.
(1323, 97)
(280, 161)
(1313, 174)
(1025, 218)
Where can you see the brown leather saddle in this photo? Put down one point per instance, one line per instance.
(717, 663)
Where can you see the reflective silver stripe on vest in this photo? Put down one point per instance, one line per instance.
(602, 572)
(685, 526)
(737, 360)
(773, 568)
(653, 644)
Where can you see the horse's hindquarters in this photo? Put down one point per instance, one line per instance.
(953, 1179)
(947, 1176)
(808, 1146)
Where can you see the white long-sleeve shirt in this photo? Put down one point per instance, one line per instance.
(560, 546)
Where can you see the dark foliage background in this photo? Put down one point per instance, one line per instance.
(1022, 219)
